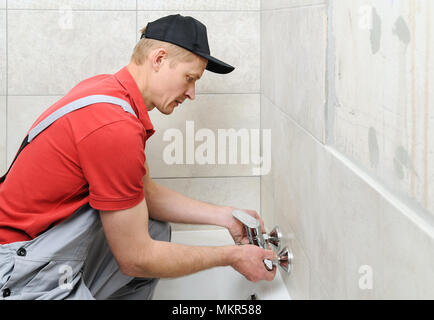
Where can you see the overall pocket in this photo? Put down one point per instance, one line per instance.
(31, 275)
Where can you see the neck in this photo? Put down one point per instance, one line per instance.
(139, 76)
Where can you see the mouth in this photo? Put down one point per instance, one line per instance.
(177, 102)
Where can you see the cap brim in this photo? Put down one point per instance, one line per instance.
(216, 65)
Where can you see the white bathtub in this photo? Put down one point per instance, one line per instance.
(220, 283)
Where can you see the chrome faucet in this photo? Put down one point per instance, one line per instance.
(256, 237)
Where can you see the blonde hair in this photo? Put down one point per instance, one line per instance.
(145, 46)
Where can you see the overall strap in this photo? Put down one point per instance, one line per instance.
(72, 106)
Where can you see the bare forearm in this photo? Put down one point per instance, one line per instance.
(168, 205)
(137, 254)
(162, 259)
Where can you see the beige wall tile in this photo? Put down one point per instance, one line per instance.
(299, 280)
(293, 57)
(386, 131)
(407, 248)
(3, 57)
(76, 4)
(243, 193)
(322, 204)
(65, 50)
(198, 5)
(213, 112)
(22, 113)
(2, 135)
(345, 223)
(285, 4)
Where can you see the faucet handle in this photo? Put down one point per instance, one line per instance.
(273, 237)
(269, 264)
(284, 260)
(245, 219)
(252, 226)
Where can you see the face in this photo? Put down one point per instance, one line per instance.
(174, 84)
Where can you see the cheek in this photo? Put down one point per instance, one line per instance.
(179, 88)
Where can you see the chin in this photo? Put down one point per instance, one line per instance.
(165, 110)
(168, 111)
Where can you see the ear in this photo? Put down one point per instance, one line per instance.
(158, 57)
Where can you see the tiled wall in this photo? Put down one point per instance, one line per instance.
(386, 123)
(324, 83)
(3, 89)
(47, 47)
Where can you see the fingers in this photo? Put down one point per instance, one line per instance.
(270, 255)
(254, 214)
(271, 274)
(245, 241)
(242, 242)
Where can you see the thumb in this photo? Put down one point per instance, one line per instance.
(270, 254)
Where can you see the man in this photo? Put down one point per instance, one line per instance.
(80, 217)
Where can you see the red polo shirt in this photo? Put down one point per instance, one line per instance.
(92, 155)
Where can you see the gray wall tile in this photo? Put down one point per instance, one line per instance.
(406, 249)
(208, 111)
(293, 77)
(2, 135)
(22, 113)
(76, 4)
(342, 220)
(387, 131)
(243, 193)
(285, 4)
(198, 5)
(3, 57)
(234, 38)
(65, 51)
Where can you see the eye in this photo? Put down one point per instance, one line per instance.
(190, 79)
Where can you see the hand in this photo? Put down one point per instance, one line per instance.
(249, 261)
(237, 229)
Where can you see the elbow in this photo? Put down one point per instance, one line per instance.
(137, 264)
(128, 269)
(128, 266)
(149, 186)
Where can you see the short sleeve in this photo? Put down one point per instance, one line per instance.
(112, 159)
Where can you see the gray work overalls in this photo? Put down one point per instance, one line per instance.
(71, 260)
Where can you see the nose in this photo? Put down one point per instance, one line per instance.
(190, 93)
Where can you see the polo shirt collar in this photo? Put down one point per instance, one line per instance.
(127, 81)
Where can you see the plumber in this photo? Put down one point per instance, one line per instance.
(80, 217)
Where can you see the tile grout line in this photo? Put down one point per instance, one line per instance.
(313, 5)
(294, 121)
(135, 10)
(260, 103)
(198, 94)
(203, 177)
(407, 207)
(7, 88)
(330, 87)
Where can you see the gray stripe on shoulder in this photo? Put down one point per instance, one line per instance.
(75, 105)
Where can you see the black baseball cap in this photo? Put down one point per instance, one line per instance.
(188, 33)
